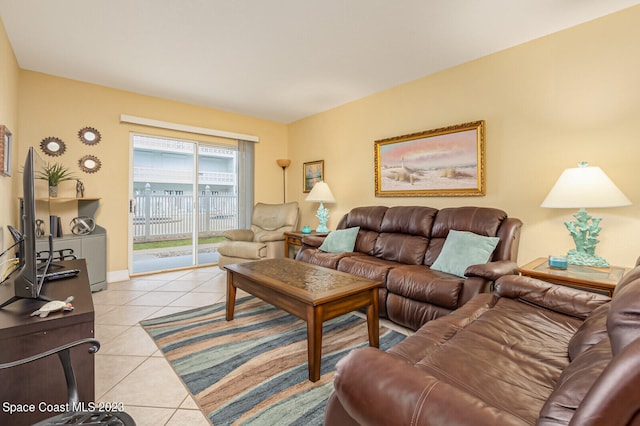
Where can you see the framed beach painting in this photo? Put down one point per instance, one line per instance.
(312, 173)
(447, 162)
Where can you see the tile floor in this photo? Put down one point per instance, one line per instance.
(129, 367)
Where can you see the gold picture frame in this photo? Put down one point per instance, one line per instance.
(5, 150)
(312, 173)
(445, 162)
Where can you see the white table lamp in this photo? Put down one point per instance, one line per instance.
(585, 187)
(320, 193)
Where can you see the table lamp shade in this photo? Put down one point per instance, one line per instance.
(585, 187)
(320, 193)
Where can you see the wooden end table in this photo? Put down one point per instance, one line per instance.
(295, 239)
(312, 293)
(599, 280)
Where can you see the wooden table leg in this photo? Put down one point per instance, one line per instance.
(286, 246)
(231, 296)
(373, 322)
(314, 341)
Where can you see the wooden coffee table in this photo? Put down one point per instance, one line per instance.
(312, 293)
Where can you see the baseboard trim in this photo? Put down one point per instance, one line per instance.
(115, 276)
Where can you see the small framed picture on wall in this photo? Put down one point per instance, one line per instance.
(5, 151)
(312, 173)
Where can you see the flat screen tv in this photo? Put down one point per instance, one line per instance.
(28, 279)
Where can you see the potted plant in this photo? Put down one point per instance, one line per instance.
(54, 174)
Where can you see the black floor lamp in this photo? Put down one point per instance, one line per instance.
(284, 164)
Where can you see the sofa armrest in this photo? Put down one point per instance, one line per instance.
(314, 241)
(238, 234)
(492, 270)
(269, 236)
(565, 300)
(377, 388)
(613, 398)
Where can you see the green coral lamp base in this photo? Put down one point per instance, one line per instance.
(585, 231)
(585, 259)
(323, 215)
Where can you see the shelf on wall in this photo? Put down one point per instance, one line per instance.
(62, 199)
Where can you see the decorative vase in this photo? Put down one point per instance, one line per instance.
(53, 191)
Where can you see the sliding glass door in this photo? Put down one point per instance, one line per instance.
(217, 198)
(185, 194)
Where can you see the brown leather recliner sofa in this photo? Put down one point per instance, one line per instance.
(397, 246)
(530, 353)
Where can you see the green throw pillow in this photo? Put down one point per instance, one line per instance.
(340, 241)
(462, 249)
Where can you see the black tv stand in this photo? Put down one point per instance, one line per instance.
(16, 298)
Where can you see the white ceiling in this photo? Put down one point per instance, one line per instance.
(280, 60)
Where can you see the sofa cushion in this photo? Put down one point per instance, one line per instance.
(369, 219)
(272, 217)
(574, 383)
(401, 248)
(412, 314)
(593, 330)
(463, 249)
(505, 352)
(420, 283)
(479, 220)
(340, 240)
(367, 266)
(409, 220)
(321, 258)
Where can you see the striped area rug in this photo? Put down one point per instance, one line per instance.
(253, 370)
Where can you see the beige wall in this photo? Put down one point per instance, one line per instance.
(51, 106)
(548, 104)
(9, 117)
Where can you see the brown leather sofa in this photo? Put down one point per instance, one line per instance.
(397, 246)
(530, 353)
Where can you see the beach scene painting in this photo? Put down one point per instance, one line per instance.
(442, 162)
(312, 173)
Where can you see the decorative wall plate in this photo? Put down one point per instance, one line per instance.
(53, 146)
(90, 164)
(89, 135)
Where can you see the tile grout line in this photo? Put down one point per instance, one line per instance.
(215, 297)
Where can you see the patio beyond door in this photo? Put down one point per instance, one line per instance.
(185, 195)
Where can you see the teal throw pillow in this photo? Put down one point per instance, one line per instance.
(340, 240)
(462, 249)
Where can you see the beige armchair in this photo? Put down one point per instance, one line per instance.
(265, 239)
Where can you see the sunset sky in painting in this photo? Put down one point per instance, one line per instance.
(450, 150)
